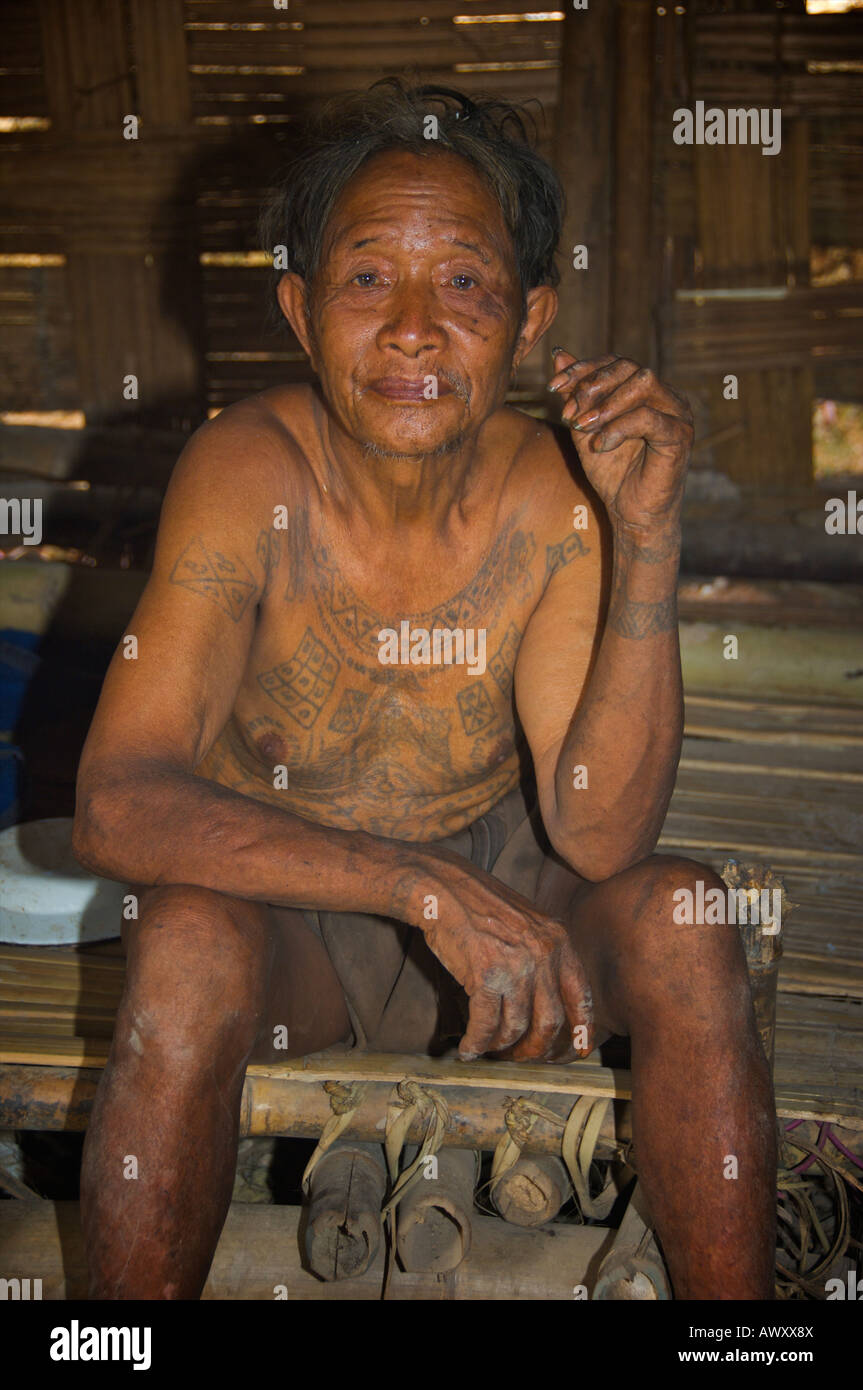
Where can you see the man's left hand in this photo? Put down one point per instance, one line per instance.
(633, 435)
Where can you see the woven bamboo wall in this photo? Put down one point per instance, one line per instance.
(139, 234)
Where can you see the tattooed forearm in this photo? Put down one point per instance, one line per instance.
(652, 551)
(403, 892)
(630, 618)
(655, 608)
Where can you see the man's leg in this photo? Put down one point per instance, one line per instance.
(702, 1092)
(206, 977)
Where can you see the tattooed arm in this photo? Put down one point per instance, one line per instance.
(615, 770)
(142, 814)
(605, 725)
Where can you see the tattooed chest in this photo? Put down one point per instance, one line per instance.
(381, 718)
(400, 720)
(415, 709)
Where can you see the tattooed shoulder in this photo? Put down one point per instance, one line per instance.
(269, 552)
(211, 573)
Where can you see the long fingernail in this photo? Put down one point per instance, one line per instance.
(556, 350)
(584, 422)
(468, 1056)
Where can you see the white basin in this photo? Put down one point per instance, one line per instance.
(46, 898)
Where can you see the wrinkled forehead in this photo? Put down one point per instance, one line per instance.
(440, 199)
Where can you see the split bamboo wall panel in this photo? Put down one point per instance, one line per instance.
(139, 234)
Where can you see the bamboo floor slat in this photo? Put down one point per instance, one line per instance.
(773, 721)
(758, 780)
(794, 801)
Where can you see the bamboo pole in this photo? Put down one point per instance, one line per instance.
(60, 1098)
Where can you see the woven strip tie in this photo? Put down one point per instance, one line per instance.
(581, 1132)
(410, 1102)
(345, 1099)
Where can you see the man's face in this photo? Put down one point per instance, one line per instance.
(417, 291)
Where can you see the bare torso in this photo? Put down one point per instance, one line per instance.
(320, 727)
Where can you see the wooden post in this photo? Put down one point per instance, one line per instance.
(161, 64)
(584, 150)
(761, 933)
(434, 1217)
(633, 1270)
(532, 1192)
(342, 1211)
(635, 276)
(87, 64)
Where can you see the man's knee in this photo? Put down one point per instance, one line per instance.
(674, 947)
(665, 895)
(196, 975)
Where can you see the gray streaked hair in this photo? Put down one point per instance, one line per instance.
(490, 134)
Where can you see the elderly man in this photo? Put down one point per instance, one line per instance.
(404, 718)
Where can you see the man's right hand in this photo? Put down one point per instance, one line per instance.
(527, 988)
